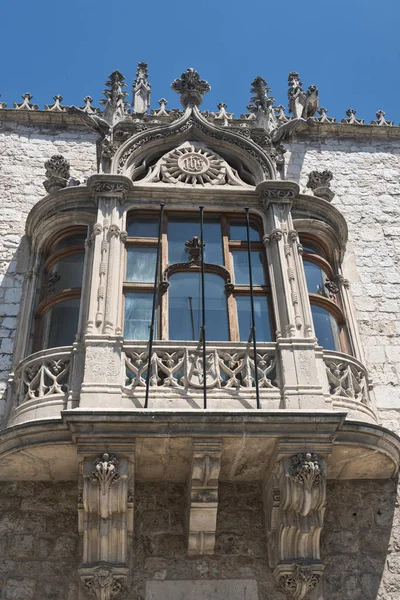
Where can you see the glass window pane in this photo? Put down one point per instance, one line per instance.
(142, 227)
(261, 317)
(138, 307)
(184, 302)
(237, 231)
(241, 267)
(141, 264)
(326, 328)
(180, 230)
(60, 324)
(77, 239)
(315, 277)
(312, 248)
(66, 274)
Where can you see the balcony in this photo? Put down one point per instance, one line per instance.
(41, 383)
(176, 375)
(349, 386)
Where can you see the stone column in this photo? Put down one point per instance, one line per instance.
(301, 373)
(105, 510)
(203, 496)
(103, 342)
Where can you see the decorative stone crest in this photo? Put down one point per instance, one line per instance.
(57, 173)
(191, 88)
(381, 121)
(115, 105)
(56, 107)
(352, 120)
(193, 164)
(88, 108)
(319, 183)
(105, 472)
(323, 118)
(26, 104)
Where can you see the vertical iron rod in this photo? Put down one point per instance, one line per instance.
(153, 310)
(203, 308)
(253, 325)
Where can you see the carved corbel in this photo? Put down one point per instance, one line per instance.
(105, 510)
(203, 496)
(294, 501)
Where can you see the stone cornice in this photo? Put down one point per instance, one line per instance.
(46, 118)
(317, 130)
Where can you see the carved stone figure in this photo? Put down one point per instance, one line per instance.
(302, 105)
(141, 90)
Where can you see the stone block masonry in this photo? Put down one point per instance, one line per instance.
(23, 151)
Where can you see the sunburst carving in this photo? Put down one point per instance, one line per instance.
(191, 165)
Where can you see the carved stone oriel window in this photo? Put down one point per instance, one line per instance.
(227, 291)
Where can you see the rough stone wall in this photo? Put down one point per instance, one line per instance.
(366, 180)
(240, 551)
(39, 542)
(23, 152)
(360, 543)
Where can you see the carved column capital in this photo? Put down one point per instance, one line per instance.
(277, 192)
(109, 186)
(103, 581)
(298, 579)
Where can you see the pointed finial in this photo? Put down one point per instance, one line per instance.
(191, 88)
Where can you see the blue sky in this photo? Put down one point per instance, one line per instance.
(349, 48)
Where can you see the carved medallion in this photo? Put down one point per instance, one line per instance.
(188, 164)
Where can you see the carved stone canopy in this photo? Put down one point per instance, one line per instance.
(193, 164)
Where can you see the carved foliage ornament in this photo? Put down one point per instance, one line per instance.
(299, 582)
(103, 584)
(306, 469)
(57, 166)
(190, 87)
(318, 179)
(105, 472)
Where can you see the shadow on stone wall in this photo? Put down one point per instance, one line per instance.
(360, 543)
(13, 266)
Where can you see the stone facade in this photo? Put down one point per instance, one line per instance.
(140, 470)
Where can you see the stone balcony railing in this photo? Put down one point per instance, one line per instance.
(349, 386)
(176, 375)
(41, 385)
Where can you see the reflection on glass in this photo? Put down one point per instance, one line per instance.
(180, 230)
(67, 273)
(326, 328)
(141, 264)
(315, 277)
(185, 307)
(241, 267)
(138, 307)
(77, 239)
(238, 231)
(261, 318)
(312, 248)
(60, 324)
(142, 227)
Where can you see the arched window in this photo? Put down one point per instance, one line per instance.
(324, 295)
(58, 310)
(227, 289)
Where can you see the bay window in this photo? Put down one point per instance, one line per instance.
(227, 288)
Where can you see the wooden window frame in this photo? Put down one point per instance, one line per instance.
(47, 302)
(226, 270)
(331, 305)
